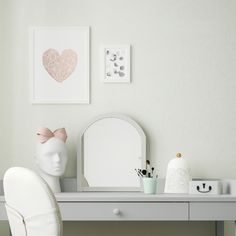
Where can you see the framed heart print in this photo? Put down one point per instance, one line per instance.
(59, 65)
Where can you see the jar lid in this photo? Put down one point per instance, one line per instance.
(178, 155)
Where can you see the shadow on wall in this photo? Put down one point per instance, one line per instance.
(136, 228)
(4, 228)
(139, 228)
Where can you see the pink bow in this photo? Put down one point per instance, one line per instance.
(44, 134)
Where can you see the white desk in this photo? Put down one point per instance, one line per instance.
(116, 206)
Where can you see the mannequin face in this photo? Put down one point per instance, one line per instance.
(51, 157)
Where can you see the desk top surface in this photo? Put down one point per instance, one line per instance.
(69, 194)
(137, 197)
(140, 197)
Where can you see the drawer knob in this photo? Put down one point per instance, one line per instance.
(116, 211)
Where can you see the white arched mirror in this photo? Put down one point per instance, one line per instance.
(110, 149)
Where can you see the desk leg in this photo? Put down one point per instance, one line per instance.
(235, 228)
(220, 228)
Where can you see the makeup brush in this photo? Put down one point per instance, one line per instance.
(148, 167)
(140, 172)
(137, 172)
(144, 172)
(152, 171)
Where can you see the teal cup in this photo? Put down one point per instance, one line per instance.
(149, 185)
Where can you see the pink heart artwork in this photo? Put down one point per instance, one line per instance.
(60, 67)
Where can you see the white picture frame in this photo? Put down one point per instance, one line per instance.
(59, 65)
(115, 61)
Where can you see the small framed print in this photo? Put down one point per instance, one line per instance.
(59, 65)
(115, 64)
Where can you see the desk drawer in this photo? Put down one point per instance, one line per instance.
(98, 211)
(213, 211)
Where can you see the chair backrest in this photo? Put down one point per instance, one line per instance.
(31, 206)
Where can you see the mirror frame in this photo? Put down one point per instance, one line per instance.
(80, 172)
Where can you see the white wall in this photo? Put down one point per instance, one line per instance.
(182, 93)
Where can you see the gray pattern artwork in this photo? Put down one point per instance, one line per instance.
(116, 63)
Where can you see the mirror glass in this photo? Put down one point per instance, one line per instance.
(110, 149)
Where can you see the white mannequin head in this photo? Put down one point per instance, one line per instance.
(51, 157)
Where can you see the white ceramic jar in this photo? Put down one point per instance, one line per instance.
(178, 176)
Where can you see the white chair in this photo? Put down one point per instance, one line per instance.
(32, 209)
